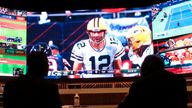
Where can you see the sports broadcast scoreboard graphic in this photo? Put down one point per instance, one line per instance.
(93, 74)
(13, 35)
(173, 20)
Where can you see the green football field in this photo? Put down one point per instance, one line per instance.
(13, 28)
(9, 62)
(10, 58)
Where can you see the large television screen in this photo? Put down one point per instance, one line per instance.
(58, 33)
(172, 34)
(13, 34)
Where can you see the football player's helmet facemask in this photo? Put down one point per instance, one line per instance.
(42, 47)
(96, 29)
(138, 36)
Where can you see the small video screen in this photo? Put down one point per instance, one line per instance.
(171, 18)
(13, 40)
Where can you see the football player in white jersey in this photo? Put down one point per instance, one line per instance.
(140, 44)
(99, 52)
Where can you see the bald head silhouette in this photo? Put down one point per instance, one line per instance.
(152, 64)
(37, 65)
(156, 88)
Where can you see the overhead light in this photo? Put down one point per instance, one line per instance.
(137, 13)
(43, 18)
(68, 14)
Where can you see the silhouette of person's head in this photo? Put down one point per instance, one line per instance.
(152, 64)
(37, 65)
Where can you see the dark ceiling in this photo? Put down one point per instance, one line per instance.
(59, 5)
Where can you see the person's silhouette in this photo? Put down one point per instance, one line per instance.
(156, 88)
(32, 90)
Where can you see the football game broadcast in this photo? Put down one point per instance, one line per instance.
(13, 34)
(92, 43)
(98, 43)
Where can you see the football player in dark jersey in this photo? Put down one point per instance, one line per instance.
(56, 61)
